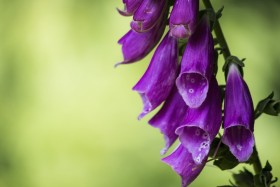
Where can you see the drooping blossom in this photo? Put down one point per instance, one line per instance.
(130, 6)
(157, 82)
(169, 117)
(202, 124)
(183, 18)
(197, 66)
(136, 46)
(148, 14)
(182, 163)
(239, 116)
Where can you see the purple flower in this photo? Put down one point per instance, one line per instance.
(239, 116)
(136, 46)
(130, 6)
(157, 82)
(197, 66)
(169, 117)
(202, 124)
(182, 163)
(183, 18)
(148, 14)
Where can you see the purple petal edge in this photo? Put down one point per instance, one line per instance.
(182, 163)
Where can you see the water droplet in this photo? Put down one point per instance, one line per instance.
(191, 90)
(192, 80)
(188, 77)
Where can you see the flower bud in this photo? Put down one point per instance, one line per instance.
(148, 15)
(157, 82)
(183, 18)
(136, 46)
(239, 116)
(169, 117)
(197, 66)
(202, 124)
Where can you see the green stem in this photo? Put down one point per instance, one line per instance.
(219, 33)
(257, 165)
(226, 53)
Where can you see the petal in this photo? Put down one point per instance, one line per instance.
(182, 163)
(148, 14)
(157, 82)
(202, 124)
(136, 46)
(239, 116)
(183, 18)
(130, 6)
(197, 66)
(238, 101)
(169, 117)
(240, 141)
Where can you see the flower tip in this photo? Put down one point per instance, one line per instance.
(117, 64)
(163, 151)
(143, 114)
(123, 12)
(180, 31)
(137, 26)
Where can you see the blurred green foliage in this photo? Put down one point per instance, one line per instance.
(68, 118)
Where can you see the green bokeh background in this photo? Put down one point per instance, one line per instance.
(68, 118)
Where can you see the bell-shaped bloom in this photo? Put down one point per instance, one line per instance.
(182, 163)
(130, 6)
(202, 124)
(136, 46)
(238, 116)
(183, 18)
(148, 14)
(157, 82)
(169, 117)
(197, 66)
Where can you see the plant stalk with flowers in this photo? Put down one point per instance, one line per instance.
(182, 76)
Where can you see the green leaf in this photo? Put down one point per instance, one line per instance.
(268, 106)
(244, 178)
(219, 12)
(235, 60)
(267, 167)
(227, 161)
(272, 108)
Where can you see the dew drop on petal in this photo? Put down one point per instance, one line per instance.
(191, 90)
(192, 81)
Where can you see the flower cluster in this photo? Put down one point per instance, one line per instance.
(192, 109)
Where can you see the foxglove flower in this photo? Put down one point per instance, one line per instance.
(197, 66)
(169, 117)
(130, 6)
(183, 18)
(182, 163)
(202, 124)
(239, 116)
(136, 46)
(148, 14)
(157, 82)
